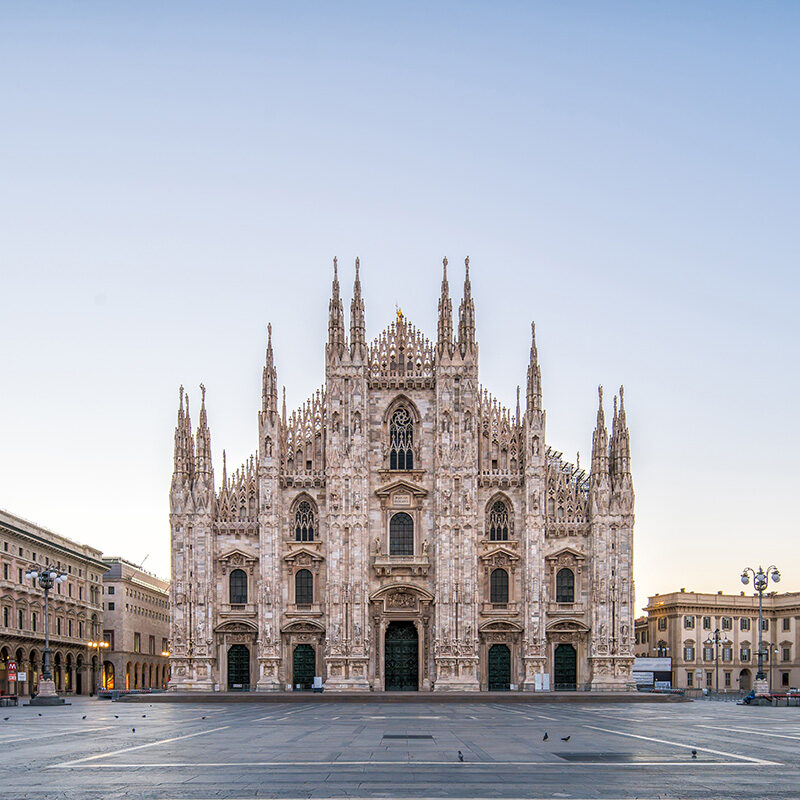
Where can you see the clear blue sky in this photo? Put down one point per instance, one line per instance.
(626, 174)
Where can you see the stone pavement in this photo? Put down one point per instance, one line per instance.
(408, 750)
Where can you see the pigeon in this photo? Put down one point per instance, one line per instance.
(40, 713)
(545, 737)
(116, 716)
(5, 719)
(565, 738)
(460, 756)
(83, 717)
(144, 715)
(694, 753)
(200, 717)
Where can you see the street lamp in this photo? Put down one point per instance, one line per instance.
(761, 580)
(100, 671)
(716, 642)
(47, 577)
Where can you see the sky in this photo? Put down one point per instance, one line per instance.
(175, 176)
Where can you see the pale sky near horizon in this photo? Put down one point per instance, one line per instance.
(174, 176)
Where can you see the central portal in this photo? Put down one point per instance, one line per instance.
(402, 657)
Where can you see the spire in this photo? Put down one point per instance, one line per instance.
(224, 470)
(335, 315)
(534, 376)
(600, 440)
(466, 315)
(445, 338)
(518, 410)
(283, 410)
(357, 324)
(203, 460)
(184, 446)
(620, 439)
(269, 384)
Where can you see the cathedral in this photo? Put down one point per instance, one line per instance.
(402, 531)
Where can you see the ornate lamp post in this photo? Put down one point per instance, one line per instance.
(47, 577)
(100, 671)
(761, 580)
(715, 640)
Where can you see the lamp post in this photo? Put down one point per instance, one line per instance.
(47, 577)
(761, 580)
(100, 643)
(716, 642)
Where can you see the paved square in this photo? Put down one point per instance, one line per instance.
(404, 750)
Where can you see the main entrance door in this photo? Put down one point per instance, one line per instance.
(402, 668)
(565, 667)
(304, 664)
(499, 668)
(238, 668)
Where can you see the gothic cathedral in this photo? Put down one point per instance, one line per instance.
(402, 531)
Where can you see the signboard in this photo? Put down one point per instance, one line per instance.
(546, 682)
(22, 677)
(652, 664)
(663, 685)
(644, 678)
(12, 670)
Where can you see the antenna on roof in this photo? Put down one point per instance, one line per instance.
(143, 560)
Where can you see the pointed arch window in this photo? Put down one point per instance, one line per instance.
(303, 588)
(401, 535)
(401, 440)
(498, 586)
(304, 522)
(565, 586)
(499, 525)
(237, 583)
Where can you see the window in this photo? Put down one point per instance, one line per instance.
(727, 680)
(19, 619)
(689, 678)
(727, 623)
(108, 636)
(688, 653)
(69, 627)
(6, 616)
(498, 522)
(784, 678)
(709, 679)
(688, 622)
(744, 624)
(303, 588)
(137, 642)
(304, 522)
(727, 654)
(111, 606)
(401, 440)
(80, 629)
(662, 623)
(110, 590)
(152, 644)
(499, 586)
(565, 586)
(164, 645)
(786, 654)
(708, 654)
(238, 587)
(786, 623)
(744, 654)
(5, 572)
(19, 575)
(401, 535)
(34, 621)
(706, 623)
(764, 624)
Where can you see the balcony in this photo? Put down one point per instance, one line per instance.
(499, 609)
(237, 610)
(409, 566)
(294, 610)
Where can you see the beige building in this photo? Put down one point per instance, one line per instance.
(402, 530)
(75, 608)
(682, 625)
(135, 626)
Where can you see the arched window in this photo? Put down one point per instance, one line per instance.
(303, 588)
(401, 535)
(401, 440)
(498, 522)
(565, 586)
(238, 587)
(304, 522)
(498, 586)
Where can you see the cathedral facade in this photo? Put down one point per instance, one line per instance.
(402, 531)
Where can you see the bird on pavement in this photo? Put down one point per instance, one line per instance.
(133, 729)
(116, 716)
(144, 715)
(694, 753)
(83, 717)
(460, 756)
(565, 738)
(545, 737)
(5, 719)
(202, 717)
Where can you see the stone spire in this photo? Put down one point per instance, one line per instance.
(600, 441)
(358, 331)
(466, 315)
(203, 459)
(224, 470)
(184, 444)
(335, 316)
(445, 338)
(620, 439)
(283, 410)
(534, 376)
(269, 384)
